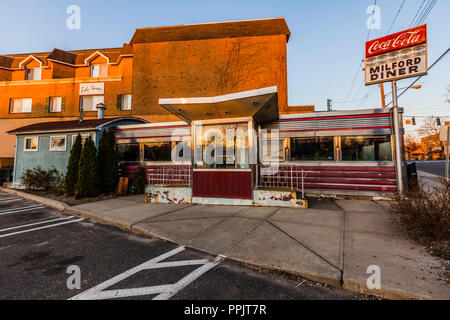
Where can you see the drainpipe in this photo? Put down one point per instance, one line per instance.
(100, 111)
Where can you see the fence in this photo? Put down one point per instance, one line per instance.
(364, 178)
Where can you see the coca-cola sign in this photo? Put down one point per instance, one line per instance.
(399, 40)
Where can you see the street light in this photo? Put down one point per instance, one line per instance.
(383, 96)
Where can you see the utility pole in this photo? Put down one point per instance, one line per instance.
(329, 104)
(398, 158)
(383, 97)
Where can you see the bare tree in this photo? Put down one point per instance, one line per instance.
(430, 129)
(411, 143)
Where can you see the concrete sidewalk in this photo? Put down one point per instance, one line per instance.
(333, 243)
(429, 180)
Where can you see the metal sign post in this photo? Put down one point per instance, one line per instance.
(445, 136)
(395, 119)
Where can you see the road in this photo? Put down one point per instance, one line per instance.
(38, 245)
(436, 167)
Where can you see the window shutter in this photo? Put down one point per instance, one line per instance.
(81, 103)
(47, 104)
(63, 104)
(119, 102)
(10, 105)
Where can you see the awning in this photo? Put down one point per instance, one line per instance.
(261, 104)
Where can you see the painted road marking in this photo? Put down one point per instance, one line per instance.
(40, 228)
(34, 224)
(9, 200)
(21, 209)
(165, 291)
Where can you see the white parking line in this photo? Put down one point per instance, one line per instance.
(34, 224)
(9, 200)
(165, 291)
(21, 209)
(40, 228)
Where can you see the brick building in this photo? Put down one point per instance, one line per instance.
(162, 62)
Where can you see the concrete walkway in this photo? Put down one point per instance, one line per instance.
(429, 180)
(334, 242)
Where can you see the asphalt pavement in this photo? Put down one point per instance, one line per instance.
(39, 245)
(436, 167)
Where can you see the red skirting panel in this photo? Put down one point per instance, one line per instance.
(222, 184)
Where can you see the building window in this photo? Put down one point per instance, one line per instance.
(273, 150)
(83, 138)
(55, 104)
(126, 102)
(129, 152)
(31, 144)
(33, 74)
(89, 103)
(22, 105)
(366, 148)
(99, 70)
(312, 148)
(58, 143)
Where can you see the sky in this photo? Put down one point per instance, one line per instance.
(324, 51)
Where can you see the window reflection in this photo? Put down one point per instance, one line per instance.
(366, 148)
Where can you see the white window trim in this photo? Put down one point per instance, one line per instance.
(25, 144)
(57, 149)
(74, 136)
(122, 108)
(94, 105)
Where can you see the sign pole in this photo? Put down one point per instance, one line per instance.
(447, 164)
(398, 160)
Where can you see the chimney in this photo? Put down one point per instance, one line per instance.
(100, 111)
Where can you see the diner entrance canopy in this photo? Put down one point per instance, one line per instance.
(260, 104)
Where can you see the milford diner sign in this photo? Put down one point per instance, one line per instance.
(397, 56)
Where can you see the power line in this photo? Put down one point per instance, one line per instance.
(360, 65)
(412, 22)
(395, 18)
(434, 63)
(426, 11)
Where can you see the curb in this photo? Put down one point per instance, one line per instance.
(48, 202)
(348, 285)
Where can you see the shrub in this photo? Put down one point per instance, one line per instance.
(107, 161)
(45, 180)
(72, 168)
(139, 180)
(426, 217)
(87, 183)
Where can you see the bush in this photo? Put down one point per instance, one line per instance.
(108, 163)
(72, 168)
(43, 180)
(139, 180)
(426, 217)
(87, 183)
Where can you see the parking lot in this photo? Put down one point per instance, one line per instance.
(38, 244)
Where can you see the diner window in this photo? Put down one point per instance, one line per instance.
(58, 143)
(31, 144)
(99, 70)
(33, 74)
(312, 148)
(129, 152)
(222, 146)
(89, 103)
(21, 105)
(366, 148)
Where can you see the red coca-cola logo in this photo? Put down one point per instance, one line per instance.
(397, 41)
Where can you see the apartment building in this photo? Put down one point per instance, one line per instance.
(177, 61)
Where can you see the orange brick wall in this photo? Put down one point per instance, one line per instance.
(202, 68)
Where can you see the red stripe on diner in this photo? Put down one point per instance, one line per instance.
(344, 187)
(154, 128)
(351, 181)
(331, 129)
(338, 117)
(145, 137)
(337, 168)
(364, 175)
